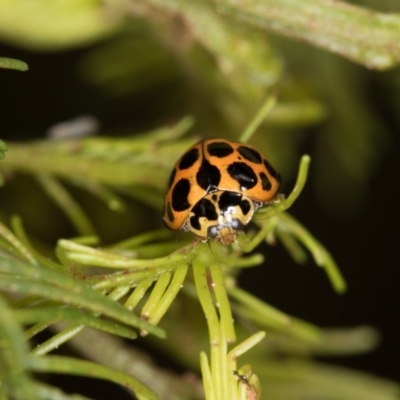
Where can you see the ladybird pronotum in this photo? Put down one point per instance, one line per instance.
(216, 187)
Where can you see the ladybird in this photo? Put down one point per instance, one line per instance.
(216, 187)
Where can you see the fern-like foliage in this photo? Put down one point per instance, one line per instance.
(144, 286)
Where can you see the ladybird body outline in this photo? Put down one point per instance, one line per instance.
(218, 166)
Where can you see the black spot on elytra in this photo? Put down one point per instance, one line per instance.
(219, 149)
(170, 214)
(265, 182)
(180, 195)
(204, 208)
(271, 170)
(242, 173)
(189, 159)
(250, 154)
(208, 176)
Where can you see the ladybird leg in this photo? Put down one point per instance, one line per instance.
(211, 189)
(185, 227)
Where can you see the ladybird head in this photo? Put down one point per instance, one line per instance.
(220, 215)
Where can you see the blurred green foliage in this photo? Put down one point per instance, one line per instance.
(55, 25)
(216, 60)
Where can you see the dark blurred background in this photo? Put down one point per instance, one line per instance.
(350, 201)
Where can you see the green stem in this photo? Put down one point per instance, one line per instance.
(67, 204)
(138, 293)
(169, 295)
(17, 244)
(206, 374)
(321, 256)
(88, 255)
(203, 292)
(156, 295)
(262, 113)
(225, 312)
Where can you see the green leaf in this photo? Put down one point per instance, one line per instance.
(54, 25)
(58, 286)
(67, 365)
(58, 314)
(356, 33)
(3, 146)
(11, 63)
(13, 352)
(269, 317)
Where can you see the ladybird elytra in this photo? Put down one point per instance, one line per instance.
(215, 188)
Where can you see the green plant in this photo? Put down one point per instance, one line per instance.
(91, 296)
(134, 290)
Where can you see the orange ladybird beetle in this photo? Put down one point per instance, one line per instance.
(216, 187)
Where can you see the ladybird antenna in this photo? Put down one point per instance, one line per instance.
(262, 113)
